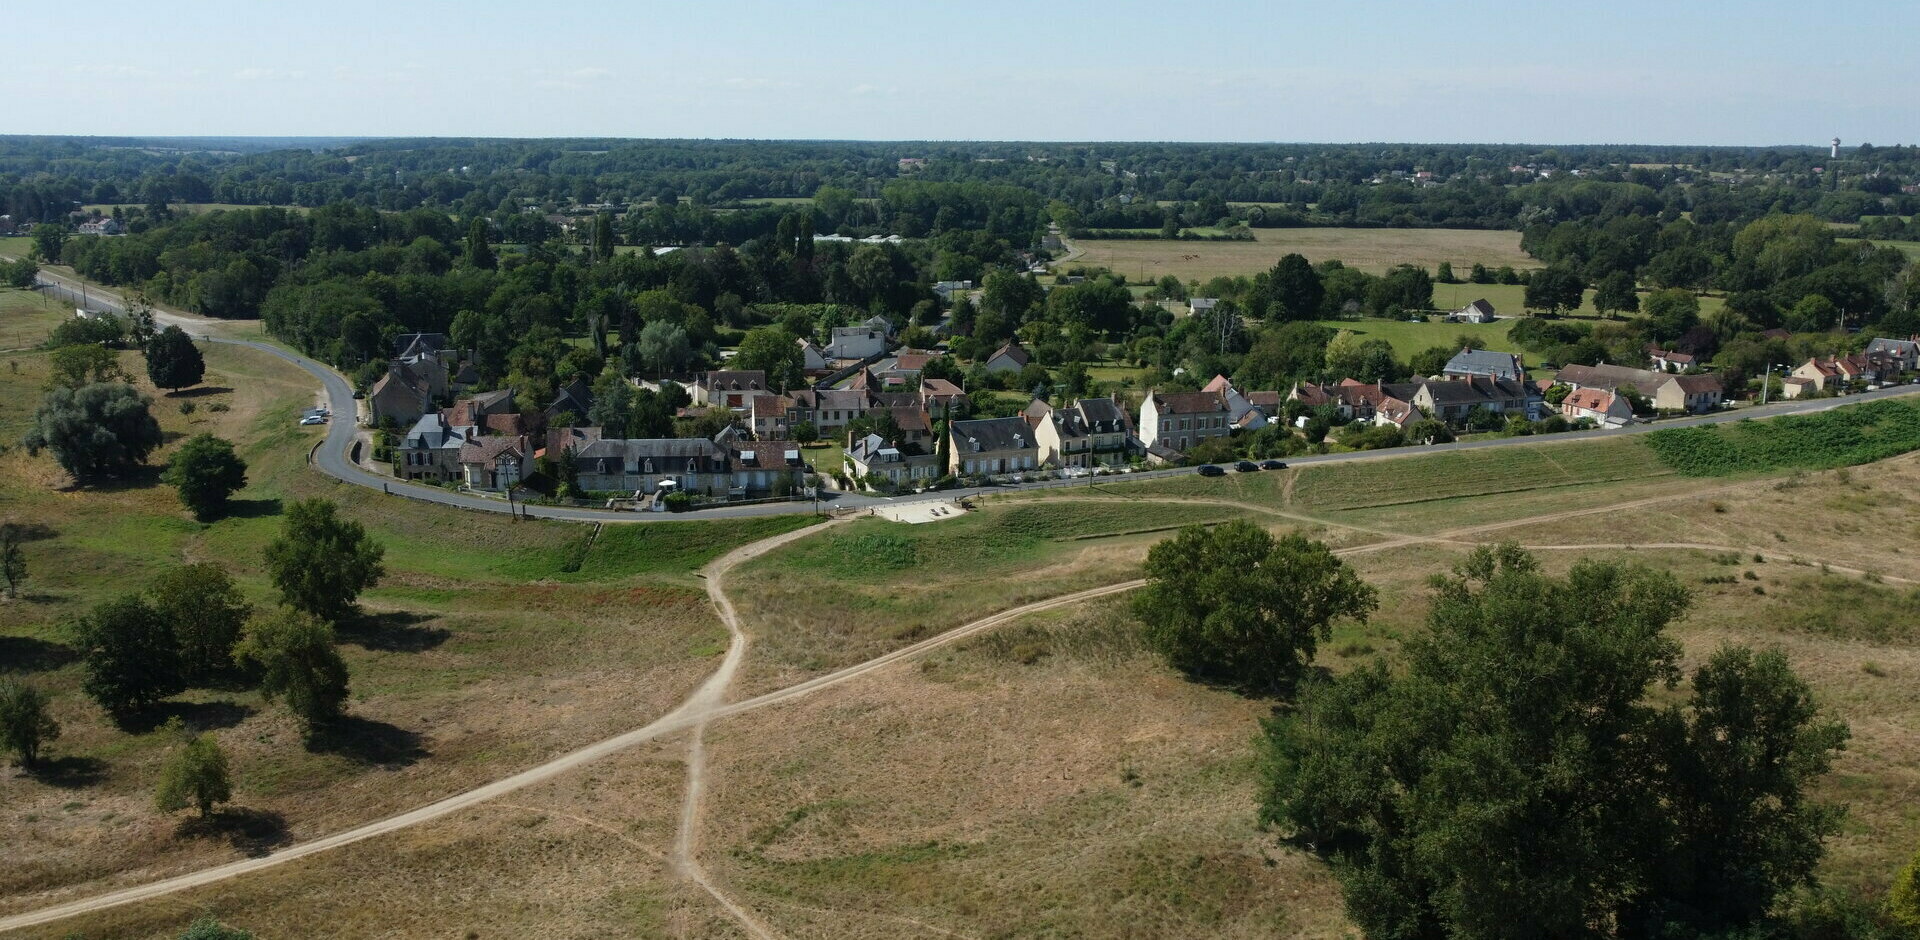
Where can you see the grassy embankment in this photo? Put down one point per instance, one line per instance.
(480, 653)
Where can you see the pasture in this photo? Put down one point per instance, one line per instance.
(1369, 249)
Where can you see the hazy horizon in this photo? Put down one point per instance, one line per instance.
(1123, 71)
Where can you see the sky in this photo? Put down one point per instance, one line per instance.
(1742, 72)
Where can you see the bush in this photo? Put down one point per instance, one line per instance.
(678, 501)
(1852, 435)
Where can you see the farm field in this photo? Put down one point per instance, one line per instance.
(479, 652)
(27, 317)
(1369, 249)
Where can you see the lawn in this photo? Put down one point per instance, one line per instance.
(1370, 249)
(1409, 338)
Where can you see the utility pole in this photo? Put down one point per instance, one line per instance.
(1765, 383)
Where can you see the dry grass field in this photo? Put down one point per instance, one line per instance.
(1049, 777)
(1369, 249)
(27, 317)
(479, 654)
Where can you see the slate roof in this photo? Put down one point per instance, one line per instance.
(1103, 415)
(984, 434)
(1504, 365)
(670, 454)
(733, 380)
(1013, 351)
(1612, 378)
(433, 431)
(419, 344)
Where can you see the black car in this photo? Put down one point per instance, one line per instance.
(1209, 470)
(1246, 466)
(1273, 465)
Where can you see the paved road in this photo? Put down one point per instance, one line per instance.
(332, 455)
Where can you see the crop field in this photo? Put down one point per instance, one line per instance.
(1450, 475)
(1850, 435)
(1370, 249)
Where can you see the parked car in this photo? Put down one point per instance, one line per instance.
(1209, 470)
(1273, 465)
(314, 419)
(1246, 466)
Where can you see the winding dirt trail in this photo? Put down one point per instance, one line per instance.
(709, 703)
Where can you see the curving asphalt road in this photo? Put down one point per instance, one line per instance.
(331, 457)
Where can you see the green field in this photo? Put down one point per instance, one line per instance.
(26, 318)
(1410, 338)
(1370, 484)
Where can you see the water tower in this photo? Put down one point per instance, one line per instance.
(1836, 148)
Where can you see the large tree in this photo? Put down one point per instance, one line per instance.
(205, 610)
(321, 562)
(83, 364)
(94, 430)
(173, 361)
(298, 664)
(130, 655)
(13, 557)
(775, 351)
(1554, 289)
(207, 472)
(195, 774)
(1616, 295)
(1296, 290)
(1234, 604)
(1515, 777)
(25, 724)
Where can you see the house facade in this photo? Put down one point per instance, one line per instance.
(728, 389)
(1599, 405)
(1480, 311)
(856, 342)
(402, 395)
(1903, 355)
(495, 464)
(431, 449)
(874, 455)
(1179, 420)
(1009, 358)
(992, 447)
(687, 465)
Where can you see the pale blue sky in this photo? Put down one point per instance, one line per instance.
(1751, 72)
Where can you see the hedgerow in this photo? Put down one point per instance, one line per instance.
(1844, 436)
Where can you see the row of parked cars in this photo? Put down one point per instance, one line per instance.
(1244, 466)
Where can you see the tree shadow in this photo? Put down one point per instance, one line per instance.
(252, 508)
(32, 654)
(196, 716)
(370, 742)
(393, 631)
(200, 391)
(254, 832)
(136, 478)
(70, 772)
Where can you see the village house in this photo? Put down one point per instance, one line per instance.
(400, 396)
(1480, 311)
(1453, 400)
(938, 395)
(1834, 373)
(856, 342)
(1667, 360)
(1601, 406)
(767, 417)
(1470, 362)
(1091, 431)
(728, 389)
(760, 469)
(653, 465)
(1200, 305)
(830, 409)
(992, 447)
(1903, 355)
(873, 455)
(1179, 420)
(488, 411)
(495, 463)
(431, 449)
(812, 357)
(1667, 392)
(575, 400)
(1009, 358)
